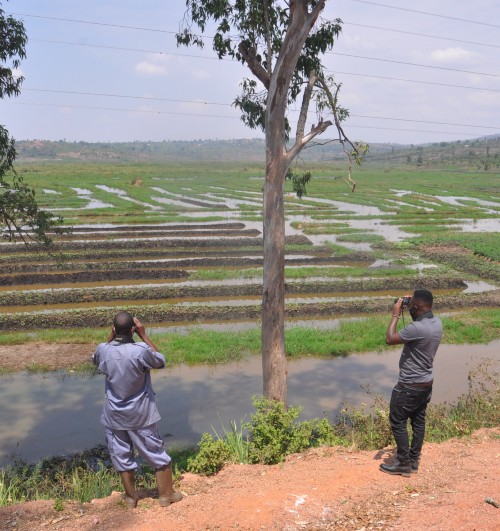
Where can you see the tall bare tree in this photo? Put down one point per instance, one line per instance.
(282, 44)
(20, 215)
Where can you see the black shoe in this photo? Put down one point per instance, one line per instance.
(398, 469)
(414, 465)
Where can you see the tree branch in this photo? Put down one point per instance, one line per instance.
(250, 57)
(343, 139)
(269, 53)
(301, 143)
(306, 99)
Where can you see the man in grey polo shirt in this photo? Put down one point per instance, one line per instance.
(130, 414)
(413, 391)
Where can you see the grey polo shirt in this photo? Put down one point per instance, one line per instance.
(421, 339)
(130, 401)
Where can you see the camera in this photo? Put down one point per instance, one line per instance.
(405, 303)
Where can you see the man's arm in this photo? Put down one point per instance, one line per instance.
(141, 332)
(392, 337)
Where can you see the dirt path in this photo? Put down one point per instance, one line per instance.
(322, 489)
(52, 356)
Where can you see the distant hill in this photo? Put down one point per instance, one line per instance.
(483, 154)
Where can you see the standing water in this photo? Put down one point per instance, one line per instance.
(58, 414)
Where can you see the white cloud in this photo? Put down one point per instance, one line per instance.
(149, 69)
(452, 55)
(160, 58)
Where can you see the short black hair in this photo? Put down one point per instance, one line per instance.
(423, 295)
(123, 323)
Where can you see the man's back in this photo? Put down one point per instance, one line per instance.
(421, 340)
(125, 365)
(130, 402)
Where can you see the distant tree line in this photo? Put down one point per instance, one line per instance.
(481, 154)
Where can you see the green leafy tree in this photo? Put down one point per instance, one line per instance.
(20, 216)
(282, 44)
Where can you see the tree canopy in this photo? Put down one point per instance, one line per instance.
(254, 33)
(20, 215)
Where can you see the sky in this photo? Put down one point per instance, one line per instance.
(111, 71)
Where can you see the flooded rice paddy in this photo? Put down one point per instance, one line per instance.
(128, 256)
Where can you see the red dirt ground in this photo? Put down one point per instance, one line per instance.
(323, 489)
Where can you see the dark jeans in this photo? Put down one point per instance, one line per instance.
(409, 402)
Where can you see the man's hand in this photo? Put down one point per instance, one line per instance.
(396, 310)
(392, 336)
(139, 328)
(398, 306)
(141, 332)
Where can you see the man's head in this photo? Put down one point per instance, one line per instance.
(420, 303)
(123, 323)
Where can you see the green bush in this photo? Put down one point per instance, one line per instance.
(273, 433)
(212, 456)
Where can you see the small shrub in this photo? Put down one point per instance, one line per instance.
(273, 433)
(366, 429)
(236, 442)
(213, 455)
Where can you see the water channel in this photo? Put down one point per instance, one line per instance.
(58, 414)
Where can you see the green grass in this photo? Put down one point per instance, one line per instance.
(205, 346)
(375, 187)
(79, 477)
(225, 274)
(321, 228)
(482, 244)
(345, 271)
(56, 335)
(360, 238)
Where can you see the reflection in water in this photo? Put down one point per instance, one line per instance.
(123, 195)
(92, 203)
(478, 225)
(479, 287)
(454, 200)
(55, 415)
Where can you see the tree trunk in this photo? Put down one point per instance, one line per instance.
(273, 299)
(277, 163)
